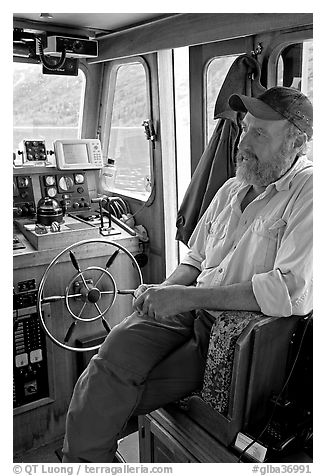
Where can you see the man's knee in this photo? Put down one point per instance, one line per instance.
(113, 346)
(124, 346)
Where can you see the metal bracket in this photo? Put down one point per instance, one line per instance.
(258, 50)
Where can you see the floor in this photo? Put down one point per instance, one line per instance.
(44, 454)
(128, 451)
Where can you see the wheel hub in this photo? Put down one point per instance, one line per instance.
(93, 295)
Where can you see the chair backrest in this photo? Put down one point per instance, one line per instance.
(247, 363)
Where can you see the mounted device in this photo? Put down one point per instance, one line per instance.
(73, 47)
(78, 154)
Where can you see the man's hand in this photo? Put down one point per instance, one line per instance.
(142, 288)
(162, 301)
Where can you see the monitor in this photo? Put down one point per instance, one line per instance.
(78, 154)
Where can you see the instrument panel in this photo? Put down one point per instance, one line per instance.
(23, 196)
(72, 188)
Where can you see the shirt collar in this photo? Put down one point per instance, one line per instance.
(284, 183)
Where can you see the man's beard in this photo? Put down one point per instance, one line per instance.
(251, 171)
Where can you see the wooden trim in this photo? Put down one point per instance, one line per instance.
(193, 29)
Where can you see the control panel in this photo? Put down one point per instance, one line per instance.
(29, 356)
(68, 188)
(33, 150)
(30, 367)
(23, 196)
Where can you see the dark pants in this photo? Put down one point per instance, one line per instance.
(142, 365)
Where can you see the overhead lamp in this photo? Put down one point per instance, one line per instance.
(46, 16)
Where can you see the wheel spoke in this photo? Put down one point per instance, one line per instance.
(70, 331)
(59, 298)
(127, 291)
(104, 321)
(83, 307)
(52, 299)
(74, 261)
(77, 267)
(106, 325)
(108, 264)
(97, 307)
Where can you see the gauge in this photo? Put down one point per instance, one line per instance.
(51, 191)
(22, 182)
(66, 183)
(79, 178)
(49, 180)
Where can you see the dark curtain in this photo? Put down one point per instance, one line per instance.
(217, 164)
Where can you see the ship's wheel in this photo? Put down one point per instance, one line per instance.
(89, 294)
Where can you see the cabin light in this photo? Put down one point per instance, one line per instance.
(46, 15)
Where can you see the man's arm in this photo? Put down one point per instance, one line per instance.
(184, 274)
(167, 300)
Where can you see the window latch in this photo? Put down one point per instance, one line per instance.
(149, 131)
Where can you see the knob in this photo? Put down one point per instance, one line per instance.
(75, 205)
(18, 211)
(77, 45)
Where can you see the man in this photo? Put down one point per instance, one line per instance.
(251, 250)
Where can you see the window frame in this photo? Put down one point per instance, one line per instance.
(283, 40)
(107, 99)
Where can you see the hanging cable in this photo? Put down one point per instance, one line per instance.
(45, 62)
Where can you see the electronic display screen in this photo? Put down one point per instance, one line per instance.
(75, 154)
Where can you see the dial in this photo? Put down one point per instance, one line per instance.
(22, 182)
(51, 191)
(66, 183)
(49, 180)
(79, 178)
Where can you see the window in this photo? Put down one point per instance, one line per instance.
(128, 146)
(216, 72)
(46, 107)
(295, 69)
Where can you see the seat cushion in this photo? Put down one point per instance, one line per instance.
(218, 371)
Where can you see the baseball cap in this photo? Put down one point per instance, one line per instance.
(276, 104)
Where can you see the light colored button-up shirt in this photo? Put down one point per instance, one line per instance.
(269, 243)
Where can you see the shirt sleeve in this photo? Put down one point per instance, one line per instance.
(287, 289)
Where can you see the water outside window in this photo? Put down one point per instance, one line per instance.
(216, 72)
(46, 107)
(128, 146)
